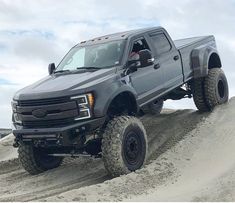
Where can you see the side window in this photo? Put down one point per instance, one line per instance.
(160, 43)
(138, 45)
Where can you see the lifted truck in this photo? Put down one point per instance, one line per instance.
(90, 103)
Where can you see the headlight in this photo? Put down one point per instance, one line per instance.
(86, 104)
(15, 117)
(14, 106)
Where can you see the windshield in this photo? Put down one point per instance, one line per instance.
(93, 56)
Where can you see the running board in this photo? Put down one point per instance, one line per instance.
(178, 94)
(75, 155)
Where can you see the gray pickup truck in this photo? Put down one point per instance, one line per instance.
(90, 103)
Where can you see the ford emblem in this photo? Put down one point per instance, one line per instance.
(39, 113)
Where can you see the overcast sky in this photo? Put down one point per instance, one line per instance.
(36, 33)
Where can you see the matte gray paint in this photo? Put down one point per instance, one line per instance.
(146, 84)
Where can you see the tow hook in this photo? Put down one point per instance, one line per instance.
(16, 143)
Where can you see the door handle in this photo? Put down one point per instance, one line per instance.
(176, 57)
(156, 66)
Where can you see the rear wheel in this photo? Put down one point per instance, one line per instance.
(199, 95)
(35, 160)
(124, 145)
(216, 88)
(211, 90)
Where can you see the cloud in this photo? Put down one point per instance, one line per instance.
(5, 82)
(36, 33)
(46, 50)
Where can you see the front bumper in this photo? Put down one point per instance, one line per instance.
(70, 135)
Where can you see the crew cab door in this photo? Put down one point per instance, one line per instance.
(167, 59)
(147, 80)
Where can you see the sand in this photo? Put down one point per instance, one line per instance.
(191, 158)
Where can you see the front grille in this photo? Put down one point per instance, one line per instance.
(55, 112)
(43, 101)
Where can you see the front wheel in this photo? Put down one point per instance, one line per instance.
(35, 160)
(124, 145)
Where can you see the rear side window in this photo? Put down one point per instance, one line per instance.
(160, 43)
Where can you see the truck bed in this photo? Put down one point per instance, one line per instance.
(185, 48)
(181, 43)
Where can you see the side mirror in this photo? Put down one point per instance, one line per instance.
(51, 68)
(132, 66)
(146, 58)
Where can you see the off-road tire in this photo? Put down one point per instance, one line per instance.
(117, 140)
(216, 88)
(34, 162)
(153, 108)
(199, 95)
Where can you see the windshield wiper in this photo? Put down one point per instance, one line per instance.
(89, 67)
(79, 68)
(62, 71)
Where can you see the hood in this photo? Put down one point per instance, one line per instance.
(60, 85)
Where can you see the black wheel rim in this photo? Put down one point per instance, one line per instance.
(221, 89)
(132, 148)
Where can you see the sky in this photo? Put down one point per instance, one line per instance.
(36, 33)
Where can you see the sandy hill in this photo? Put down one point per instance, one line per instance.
(191, 158)
(4, 132)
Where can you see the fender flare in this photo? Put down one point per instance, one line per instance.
(200, 57)
(122, 89)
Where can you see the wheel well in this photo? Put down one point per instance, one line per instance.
(123, 103)
(214, 61)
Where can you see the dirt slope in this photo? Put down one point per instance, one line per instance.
(196, 162)
(7, 152)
